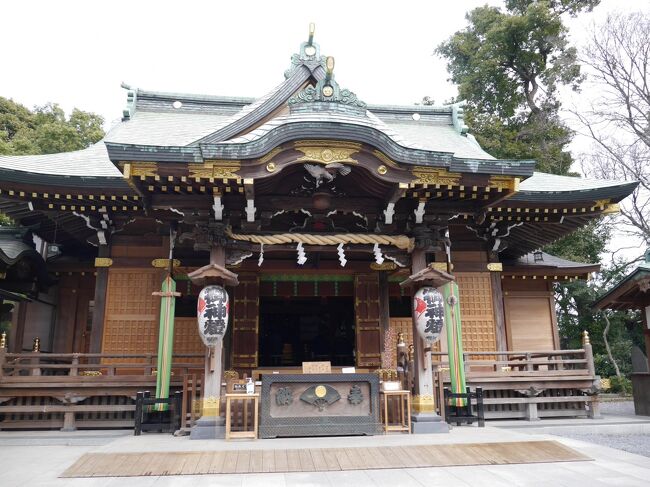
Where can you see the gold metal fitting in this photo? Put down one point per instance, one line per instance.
(400, 339)
(382, 169)
(585, 338)
(270, 167)
(3, 340)
(36, 347)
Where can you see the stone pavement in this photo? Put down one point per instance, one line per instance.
(37, 458)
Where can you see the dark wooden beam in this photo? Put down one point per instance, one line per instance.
(99, 309)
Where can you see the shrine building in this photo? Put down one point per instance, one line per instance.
(324, 209)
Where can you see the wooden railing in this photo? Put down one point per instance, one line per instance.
(531, 363)
(94, 364)
(97, 390)
(530, 384)
(70, 390)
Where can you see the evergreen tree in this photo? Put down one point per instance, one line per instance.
(46, 130)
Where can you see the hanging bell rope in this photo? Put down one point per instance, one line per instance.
(399, 241)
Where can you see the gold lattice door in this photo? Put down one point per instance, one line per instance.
(131, 324)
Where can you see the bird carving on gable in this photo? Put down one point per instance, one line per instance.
(326, 173)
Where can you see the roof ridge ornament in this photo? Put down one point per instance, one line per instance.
(131, 99)
(458, 117)
(327, 90)
(308, 56)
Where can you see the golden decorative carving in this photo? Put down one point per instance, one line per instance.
(139, 169)
(382, 169)
(504, 182)
(384, 158)
(211, 406)
(424, 403)
(215, 169)
(602, 203)
(430, 175)
(327, 155)
(495, 267)
(266, 158)
(103, 262)
(164, 263)
(91, 373)
(386, 266)
(612, 208)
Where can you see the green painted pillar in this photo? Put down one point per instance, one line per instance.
(168, 296)
(454, 340)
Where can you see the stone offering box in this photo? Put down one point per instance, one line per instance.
(319, 405)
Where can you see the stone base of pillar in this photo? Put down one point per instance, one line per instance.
(209, 428)
(426, 423)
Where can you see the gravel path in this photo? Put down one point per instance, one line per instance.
(625, 408)
(633, 443)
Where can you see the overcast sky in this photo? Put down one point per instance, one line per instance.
(76, 53)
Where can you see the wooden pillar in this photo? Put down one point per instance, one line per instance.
(646, 332)
(66, 314)
(17, 345)
(213, 362)
(212, 423)
(499, 313)
(423, 400)
(99, 310)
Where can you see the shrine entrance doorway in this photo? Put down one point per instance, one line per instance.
(302, 329)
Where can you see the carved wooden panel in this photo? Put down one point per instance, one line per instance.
(132, 313)
(476, 311)
(368, 329)
(245, 322)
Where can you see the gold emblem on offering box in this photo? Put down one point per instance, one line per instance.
(320, 391)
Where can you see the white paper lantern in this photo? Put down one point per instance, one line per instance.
(212, 312)
(429, 313)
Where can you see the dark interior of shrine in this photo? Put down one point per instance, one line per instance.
(295, 330)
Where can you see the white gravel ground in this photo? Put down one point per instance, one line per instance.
(629, 442)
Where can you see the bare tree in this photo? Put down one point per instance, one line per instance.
(618, 123)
